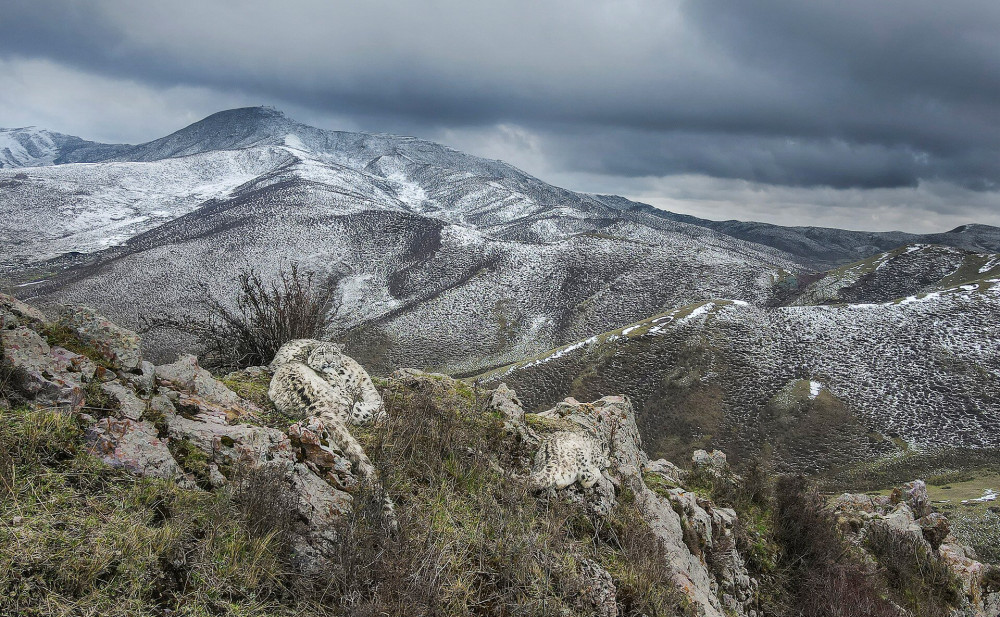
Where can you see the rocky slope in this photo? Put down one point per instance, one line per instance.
(821, 385)
(645, 543)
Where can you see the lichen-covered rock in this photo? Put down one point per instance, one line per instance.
(14, 313)
(141, 379)
(908, 512)
(318, 450)
(186, 376)
(599, 594)
(714, 461)
(128, 405)
(49, 376)
(117, 345)
(505, 401)
(132, 445)
(667, 472)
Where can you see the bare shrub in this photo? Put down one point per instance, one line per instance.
(826, 578)
(263, 316)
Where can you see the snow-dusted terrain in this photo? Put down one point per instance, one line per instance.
(453, 262)
(924, 368)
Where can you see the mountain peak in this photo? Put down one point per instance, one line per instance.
(243, 115)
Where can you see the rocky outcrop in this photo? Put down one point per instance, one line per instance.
(176, 421)
(907, 512)
(14, 313)
(592, 452)
(48, 376)
(116, 344)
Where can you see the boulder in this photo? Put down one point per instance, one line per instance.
(714, 461)
(117, 345)
(935, 528)
(132, 445)
(128, 404)
(141, 379)
(49, 376)
(505, 401)
(186, 376)
(14, 313)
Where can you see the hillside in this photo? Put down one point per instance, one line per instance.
(821, 386)
(131, 489)
(416, 235)
(443, 260)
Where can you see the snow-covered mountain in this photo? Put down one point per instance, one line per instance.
(459, 262)
(453, 262)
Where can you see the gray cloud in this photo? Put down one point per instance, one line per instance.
(898, 94)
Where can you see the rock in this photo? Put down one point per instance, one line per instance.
(117, 345)
(670, 473)
(129, 405)
(591, 449)
(714, 461)
(505, 401)
(14, 313)
(318, 449)
(132, 445)
(142, 379)
(599, 594)
(902, 521)
(186, 376)
(315, 502)
(935, 528)
(42, 374)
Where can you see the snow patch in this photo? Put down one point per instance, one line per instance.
(814, 389)
(988, 495)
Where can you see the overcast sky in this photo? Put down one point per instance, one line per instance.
(850, 113)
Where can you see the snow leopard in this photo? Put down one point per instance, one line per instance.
(346, 376)
(566, 457)
(314, 379)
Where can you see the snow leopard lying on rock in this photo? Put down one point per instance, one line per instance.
(337, 386)
(567, 457)
(314, 379)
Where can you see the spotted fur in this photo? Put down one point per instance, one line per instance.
(315, 379)
(566, 457)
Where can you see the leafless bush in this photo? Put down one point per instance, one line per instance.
(263, 316)
(826, 578)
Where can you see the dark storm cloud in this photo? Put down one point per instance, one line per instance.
(841, 94)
